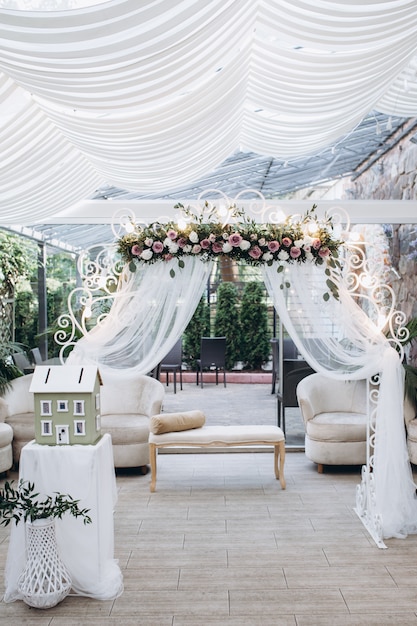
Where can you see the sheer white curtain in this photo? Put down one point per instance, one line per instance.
(340, 340)
(151, 309)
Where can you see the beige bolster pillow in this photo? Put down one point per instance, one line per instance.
(174, 422)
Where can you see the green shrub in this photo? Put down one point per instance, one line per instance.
(254, 326)
(198, 326)
(226, 323)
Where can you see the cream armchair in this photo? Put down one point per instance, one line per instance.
(335, 418)
(410, 418)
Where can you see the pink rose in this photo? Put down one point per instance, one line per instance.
(157, 247)
(286, 242)
(235, 239)
(295, 252)
(217, 247)
(205, 244)
(136, 250)
(323, 252)
(168, 257)
(255, 252)
(196, 248)
(316, 243)
(182, 242)
(172, 234)
(273, 246)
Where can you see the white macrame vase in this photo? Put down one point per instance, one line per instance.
(45, 580)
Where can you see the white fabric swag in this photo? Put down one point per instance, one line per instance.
(340, 340)
(150, 312)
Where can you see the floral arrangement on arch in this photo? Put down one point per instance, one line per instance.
(306, 240)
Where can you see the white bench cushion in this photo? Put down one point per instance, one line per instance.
(221, 434)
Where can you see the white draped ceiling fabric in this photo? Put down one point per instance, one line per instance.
(148, 95)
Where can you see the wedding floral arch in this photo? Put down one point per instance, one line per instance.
(340, 315)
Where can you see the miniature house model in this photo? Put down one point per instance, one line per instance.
(67, 404)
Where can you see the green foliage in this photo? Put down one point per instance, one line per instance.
(8, 370)
(26, 317)
(227, 323)
(18, 258)
(254, 326)
(199, 326)
(24, 503)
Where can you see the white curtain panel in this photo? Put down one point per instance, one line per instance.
(150, 312)
(146, 97)
(340, 340)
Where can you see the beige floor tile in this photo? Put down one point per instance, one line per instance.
(289, 601)
(380, 600)
(233, 578)
(393, 619)
(190, 602)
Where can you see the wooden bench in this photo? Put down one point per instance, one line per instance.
(219, 437)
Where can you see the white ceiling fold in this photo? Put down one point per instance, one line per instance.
(135, 95)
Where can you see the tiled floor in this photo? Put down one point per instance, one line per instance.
(219, 543)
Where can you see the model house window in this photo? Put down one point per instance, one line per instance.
(62, 406)
(46, 427)
(79, 427)
(79, 407)
(46, 407)
(97, 401)
(98, 422)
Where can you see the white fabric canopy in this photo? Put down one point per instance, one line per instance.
(145, 97)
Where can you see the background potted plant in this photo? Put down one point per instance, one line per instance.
(45, 581)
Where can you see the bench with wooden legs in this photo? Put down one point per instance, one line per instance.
(220, 437)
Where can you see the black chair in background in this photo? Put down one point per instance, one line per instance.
(173, 363)
(36, 356)
(290, 352)
(22, 362)
(294, 370)
(212, 355)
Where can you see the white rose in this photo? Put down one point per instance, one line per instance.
(193, 236)
(148, 241)
(146, 255)
(283, 255)
(172, 247)
(227, 247)
(267, 256)
(299, 243)
(262, 241)
(309, 256)
(244, 245)
(187, 248)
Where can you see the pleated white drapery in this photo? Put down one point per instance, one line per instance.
(148, 98)
(150, 311)
(340, 340)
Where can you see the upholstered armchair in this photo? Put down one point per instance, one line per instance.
(335, 418)
(410, 418)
